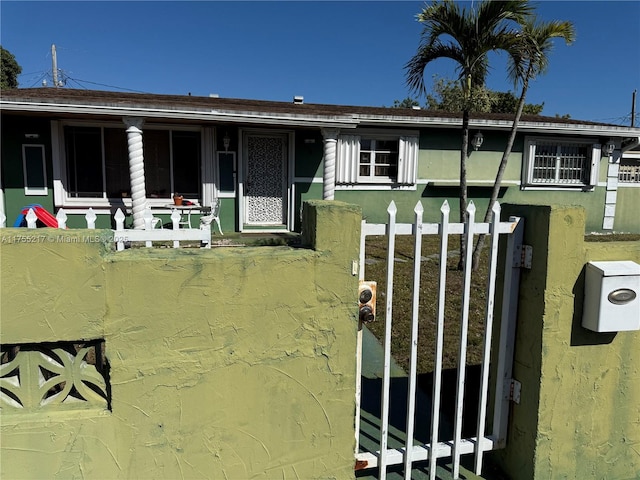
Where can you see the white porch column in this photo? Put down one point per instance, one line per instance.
(136, 169)
(611, 194)
(330, 138)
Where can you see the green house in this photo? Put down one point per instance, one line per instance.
(80, 149)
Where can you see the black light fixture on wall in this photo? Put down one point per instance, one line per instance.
(226, 141)
(476, 141)
(608, 148)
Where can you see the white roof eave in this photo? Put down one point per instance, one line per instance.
(525, 127)
(345, 121)
(337, 121)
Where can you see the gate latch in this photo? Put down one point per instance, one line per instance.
(514, 391)
(522, 255)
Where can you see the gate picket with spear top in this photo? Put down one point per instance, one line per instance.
(413, 449)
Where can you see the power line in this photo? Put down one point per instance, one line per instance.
(43, 76)
(79, 81)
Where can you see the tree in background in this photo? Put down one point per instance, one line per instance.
(466, 36)
(447, 95)
(9, 69)
(406, 103)
(507, 102)
(525, 64)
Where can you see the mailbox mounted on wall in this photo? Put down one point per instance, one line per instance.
(612, 296)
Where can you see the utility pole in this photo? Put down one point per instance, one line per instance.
(54, 65)
(633, 108)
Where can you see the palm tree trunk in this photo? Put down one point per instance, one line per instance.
(502, 167)
(464, 199)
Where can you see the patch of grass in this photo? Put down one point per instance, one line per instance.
(375, 269)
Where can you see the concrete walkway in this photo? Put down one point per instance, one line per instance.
(372, 370)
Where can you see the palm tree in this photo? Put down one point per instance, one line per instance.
(527, 61)
(466, 37)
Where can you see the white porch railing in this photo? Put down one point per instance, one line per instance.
(458, 446)
(121, 236)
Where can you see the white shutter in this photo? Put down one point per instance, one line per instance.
(531, 160)
(596, 155)
(348, 159)
(408, 160)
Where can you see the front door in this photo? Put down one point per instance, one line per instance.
(265, 181)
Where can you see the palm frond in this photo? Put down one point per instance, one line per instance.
(426, 54)
(466, 36)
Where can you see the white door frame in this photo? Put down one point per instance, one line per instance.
(287, 197)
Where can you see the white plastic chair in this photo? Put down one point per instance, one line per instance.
(212, 213)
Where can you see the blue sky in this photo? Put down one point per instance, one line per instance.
(349, 52)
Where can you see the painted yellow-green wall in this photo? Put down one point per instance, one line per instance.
(627, 205)
(579, 415)
(224, 363)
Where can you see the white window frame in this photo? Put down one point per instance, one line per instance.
(348, 160)
(592, 164)
(61, 196)
(372, 164)
(29, 190)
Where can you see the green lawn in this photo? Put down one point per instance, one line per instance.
(375, 269)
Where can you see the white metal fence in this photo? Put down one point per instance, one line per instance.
(151, 233)
(482, 441)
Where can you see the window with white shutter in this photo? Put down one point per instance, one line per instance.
(377, 158)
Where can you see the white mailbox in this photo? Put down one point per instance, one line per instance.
(612, 296)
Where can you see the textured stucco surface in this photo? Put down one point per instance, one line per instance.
(227, 363)
(579, 415)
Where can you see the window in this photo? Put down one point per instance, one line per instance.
(377, 158)
(629, 171)
(34, 170)
(561, 163)
(227, 172)
(84, 161)
(97, 162)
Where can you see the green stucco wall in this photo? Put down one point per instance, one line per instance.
(224, 363)
(439, 158)
(13, 137)
(627, 214)
(579, 414)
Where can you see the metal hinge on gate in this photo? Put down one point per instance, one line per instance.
(522, 255)
(514, 391)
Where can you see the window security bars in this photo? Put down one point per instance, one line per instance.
(629, 171)
(561, 163)
(62, 375)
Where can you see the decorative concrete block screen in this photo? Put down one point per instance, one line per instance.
(41, 377)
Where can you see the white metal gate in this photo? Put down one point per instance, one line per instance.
(482, 441)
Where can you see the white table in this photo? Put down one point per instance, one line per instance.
(185, 210)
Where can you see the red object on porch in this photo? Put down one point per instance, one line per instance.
(43, 215)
